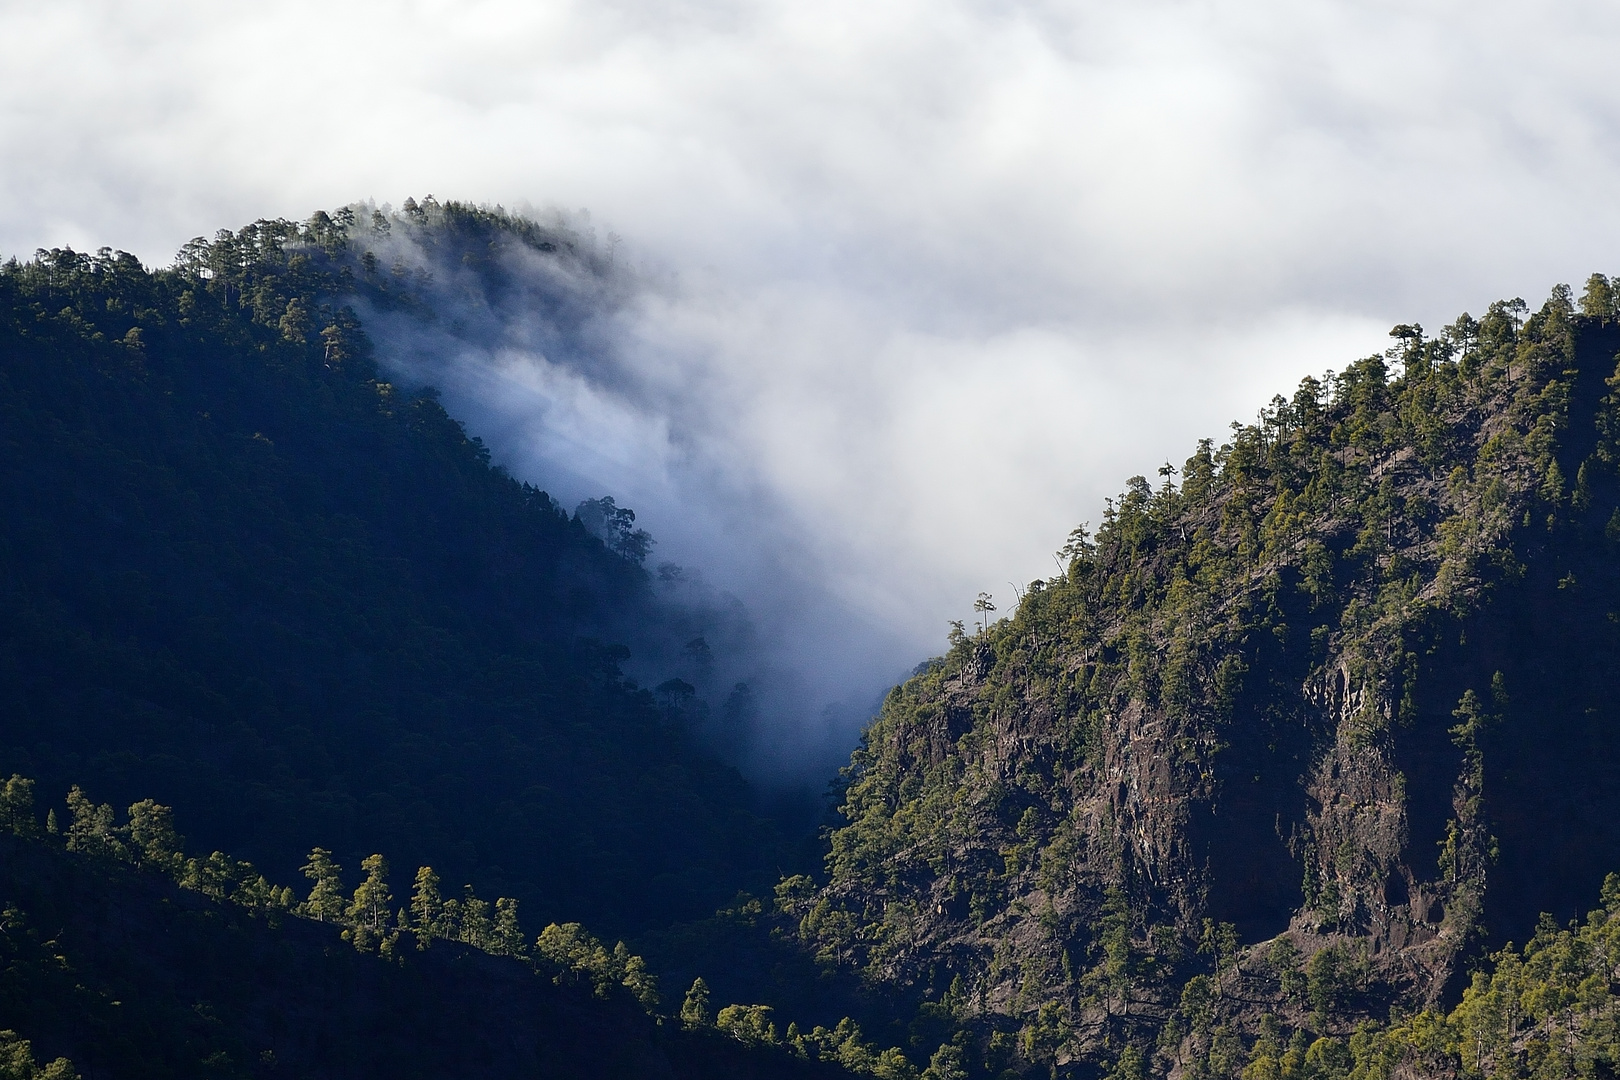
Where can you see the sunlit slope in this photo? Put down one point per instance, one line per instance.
(1349, 678)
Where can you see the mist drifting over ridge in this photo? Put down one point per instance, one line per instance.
(947, 274)
(543, 339)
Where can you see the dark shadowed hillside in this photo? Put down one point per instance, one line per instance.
(242, 574)
(1304, 768)
(128, 976)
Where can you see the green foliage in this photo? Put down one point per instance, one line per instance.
(1547, 1010)
(1219, 942)
(1131, 1066)
(843, 1044)
(748, 1024)
(467, 919)
(372, 898)
(369, 914)
(298, 603)
(153, 839)
(245, 574)
(507, 936)
(427, 906)
(1198, 1003)
(17, 1062)
(150, 841)
(1331, 976)
(1598, 300)
(1055, 811)
(1283, 960)
(90, 828)
(575, 956)
(946, 1064)
(695, 1007)
(1114, 940)
(326, 895)
(17, 807)
(568, 953)
(101, 959)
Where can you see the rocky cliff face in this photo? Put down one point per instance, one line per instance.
(1348, 686)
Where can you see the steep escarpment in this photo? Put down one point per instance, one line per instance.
(1343, 685)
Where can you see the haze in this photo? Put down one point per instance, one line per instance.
(918, 284)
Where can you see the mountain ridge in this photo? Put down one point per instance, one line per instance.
(246, 575)
(1254, 787)
(1263, 698)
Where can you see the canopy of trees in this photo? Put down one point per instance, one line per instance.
(241, 572)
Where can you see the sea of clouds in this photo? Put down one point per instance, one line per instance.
(917, 284)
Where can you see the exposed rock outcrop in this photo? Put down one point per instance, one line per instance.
(1348, 687)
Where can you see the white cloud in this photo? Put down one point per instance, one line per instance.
(940, 274)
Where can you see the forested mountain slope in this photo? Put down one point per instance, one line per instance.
(1251, 789)
(241, 573)
(1302, 730)
(122, 957)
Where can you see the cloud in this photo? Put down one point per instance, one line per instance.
(923, 282)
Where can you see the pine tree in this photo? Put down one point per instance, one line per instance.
(1114, 935)
(573, 951)
(752, 1025)
(17, 1062)
(1598, 301)
(152, 835)
(635, 977)
(427, 907)
(1131, 1066)
(217, 876)
(695, 1009)
(946, 1064)
(17, 807)
(91, 830)
(369, 908)
(326, 897)
(475, 925)
(508, 936)
(450, 920)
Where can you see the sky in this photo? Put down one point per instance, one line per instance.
(921, 283)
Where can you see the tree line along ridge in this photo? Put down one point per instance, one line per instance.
(1263, 783)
